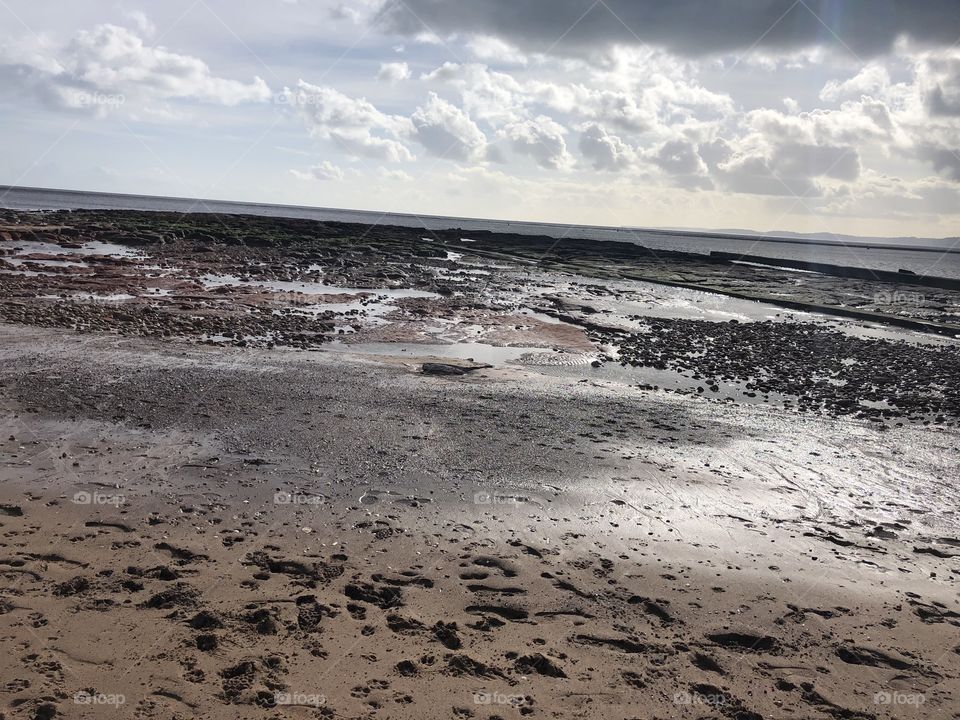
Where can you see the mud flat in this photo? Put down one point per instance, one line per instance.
(234, 482)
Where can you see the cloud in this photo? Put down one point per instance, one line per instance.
(680, 160)
(753, 175)
(603, 150)
(486, 94)
(342, 12)
(110, 67)
(877, 194)
(801, 154)
(395, 175)
(495, 50)
(541, 139)
(938, 75)
(617, 108)
(634, 92)
(324, 171)
(394, 72)
(354, 124)
(141, 21)
(871, 80)
(693, 27)
(786, 167)
(944, 159)
(679, 157)
(638, 91)
(447, 131)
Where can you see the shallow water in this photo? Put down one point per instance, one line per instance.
(90, 247)
(309, 288)
(478, 352)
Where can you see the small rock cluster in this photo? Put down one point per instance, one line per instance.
(821, 369)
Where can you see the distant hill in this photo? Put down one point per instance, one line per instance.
(823, 237)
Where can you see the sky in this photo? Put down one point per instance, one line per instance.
(826, 116)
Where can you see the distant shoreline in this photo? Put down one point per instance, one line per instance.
(694, 234)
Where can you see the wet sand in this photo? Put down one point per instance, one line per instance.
(288, 469)
(206, 532)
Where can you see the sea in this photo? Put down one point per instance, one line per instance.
(939, 257)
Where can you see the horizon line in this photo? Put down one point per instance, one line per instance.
(767, 235)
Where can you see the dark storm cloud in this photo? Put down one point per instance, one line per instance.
(692, 27)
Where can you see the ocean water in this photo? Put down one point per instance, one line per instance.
(927, 261)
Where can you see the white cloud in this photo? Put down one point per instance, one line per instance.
(938, 77)
(752, 174)
(141, 21)
(871, 80)
(447, 131)
(541, 139)
(496, 97)
(395, 175)
(605, 151)
(342, 12)
(355, 11)
(110, 67)
(324, 171)
(679, 157)
(803, 154)
(394, 72)
(354, 124)
(495, 50)
(616, 108)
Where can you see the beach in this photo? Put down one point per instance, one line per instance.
(265, 467)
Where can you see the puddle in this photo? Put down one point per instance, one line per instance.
(542, 317)
(310, 288)
(26, 273)
(661, 301)
(873, 331)
(372, 312)
(111, 297)
(95, 247)
(478, 352)
(19, 261)
(637, 300)
(218, 338)
(774, 267)
(90, 247)
(453, 274)
(672, 380)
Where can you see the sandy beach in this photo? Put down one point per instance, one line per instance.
(262, 468)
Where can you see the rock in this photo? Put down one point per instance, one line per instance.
(443, 369)
(449, 369)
